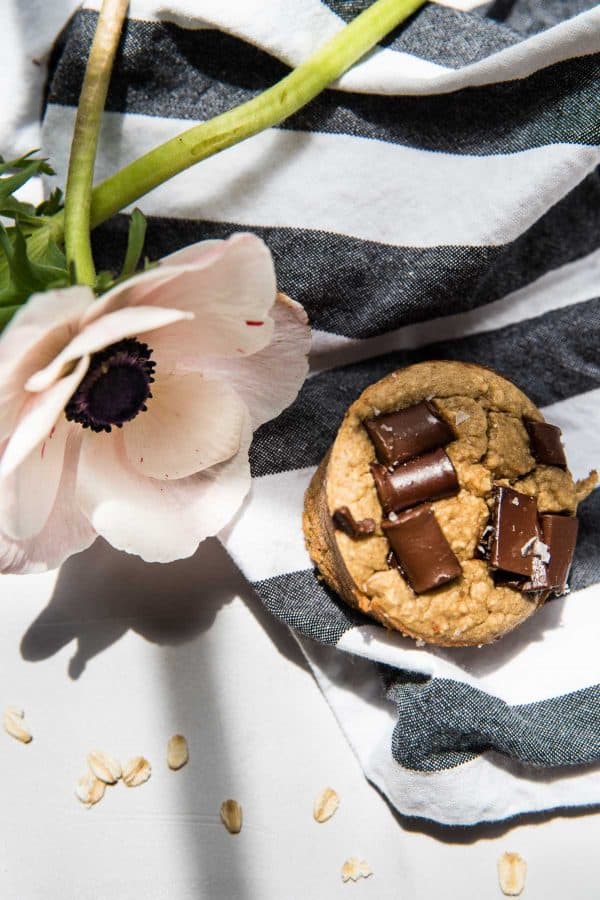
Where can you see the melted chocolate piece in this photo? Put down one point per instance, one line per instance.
(402, 435)
(392, 563)
(535, 590)
(537, 582)
(515, 524)
(419, 544)
(345, 521)
(428, 477)
(546, 445)
(559, 533)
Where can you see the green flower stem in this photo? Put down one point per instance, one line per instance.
(85, 140)
(267, 109)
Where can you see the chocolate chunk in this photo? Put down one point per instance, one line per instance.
(428, 477)
(421, 548)
(345, 521)
(559, 533)
(546, 445)
(535, 589)
(392, 563)
(402, 435)
(515, 525)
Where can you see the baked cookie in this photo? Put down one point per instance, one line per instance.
(445, 508)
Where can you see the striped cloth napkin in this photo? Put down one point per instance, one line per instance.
(443, 201)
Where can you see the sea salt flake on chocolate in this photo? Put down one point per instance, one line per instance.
(527, 549)
(409, 432)
(542, 551)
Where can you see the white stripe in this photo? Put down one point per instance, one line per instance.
(489, 788)
(383, 192)
(578, 418)
(552, 653)
(293, 30)
(266, 538)
(572, 283)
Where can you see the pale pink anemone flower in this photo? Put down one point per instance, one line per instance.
(131, 416)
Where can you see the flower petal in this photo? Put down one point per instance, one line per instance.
(39, 414)
(145, 287)
(190, 424)
(193, 254)
(42, 314)
(269, 381)
(230, 299)
(33, 337)
(28, 493)
(230, 290)
(109, 329)
(159, 520)
(65, 532)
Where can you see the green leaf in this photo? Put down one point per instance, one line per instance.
(13, 208)
(11, 183)
(28, 277)
(135, 243)
(54, 256)
(104, 281)
(52, 205)
(25, 214)
(23, 161)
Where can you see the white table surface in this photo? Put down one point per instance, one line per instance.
(114, 654)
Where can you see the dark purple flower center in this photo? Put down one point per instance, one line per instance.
(115, 388)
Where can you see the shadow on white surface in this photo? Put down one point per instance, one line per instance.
(165, 604)
(492, 657)
(100, 595)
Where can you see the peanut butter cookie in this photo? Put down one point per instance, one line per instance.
(445, 508)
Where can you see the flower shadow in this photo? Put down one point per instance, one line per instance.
(101, 594)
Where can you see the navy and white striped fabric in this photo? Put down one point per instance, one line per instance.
(443, 201)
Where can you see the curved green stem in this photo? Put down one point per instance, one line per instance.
(267, 109)
(85, 140)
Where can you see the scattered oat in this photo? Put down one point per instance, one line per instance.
(105, 767)
(355, 868)
(177, 752)
(512, 869)
(325, 805)
(136, 771)
(90, 789)
(14, 725)
(231, 816)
